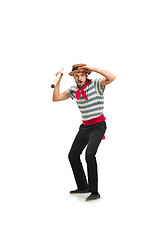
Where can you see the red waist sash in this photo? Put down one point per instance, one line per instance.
(94, 121)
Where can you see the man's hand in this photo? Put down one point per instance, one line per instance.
(60, 73)
(90, 69)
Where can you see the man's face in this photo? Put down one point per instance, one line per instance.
(80, 78)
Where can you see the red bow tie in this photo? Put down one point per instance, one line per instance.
(81, 91)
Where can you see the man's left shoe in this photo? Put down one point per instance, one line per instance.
(93, 196)
(80, 191)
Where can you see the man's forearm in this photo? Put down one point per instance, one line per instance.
(110, 76)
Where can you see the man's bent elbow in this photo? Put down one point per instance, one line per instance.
(54, 100)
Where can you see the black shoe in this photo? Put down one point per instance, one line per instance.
(80, 191)
(93, 196)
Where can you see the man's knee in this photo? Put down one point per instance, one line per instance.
(90, 156)
(73, 157)
(70, 156)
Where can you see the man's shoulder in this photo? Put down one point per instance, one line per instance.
(97, 86)
(95, 81)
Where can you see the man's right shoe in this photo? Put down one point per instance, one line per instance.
(80, 191)
(93, 196)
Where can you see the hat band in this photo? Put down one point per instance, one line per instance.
(76, 68)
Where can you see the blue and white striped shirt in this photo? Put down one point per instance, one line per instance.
(93, 107)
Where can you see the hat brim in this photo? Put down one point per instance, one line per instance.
(76, 71)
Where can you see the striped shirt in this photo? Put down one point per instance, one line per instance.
(93, 107)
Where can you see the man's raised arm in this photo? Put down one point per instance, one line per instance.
(56, 93)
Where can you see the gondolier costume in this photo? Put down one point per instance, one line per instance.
(90, 101)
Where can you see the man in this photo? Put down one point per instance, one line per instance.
(90, 100)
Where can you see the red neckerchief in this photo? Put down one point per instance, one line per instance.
(81, 90)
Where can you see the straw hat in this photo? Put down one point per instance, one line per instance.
(75, 69)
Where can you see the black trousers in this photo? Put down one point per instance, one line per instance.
(91, 137)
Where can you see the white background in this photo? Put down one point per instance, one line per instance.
(37, 39)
